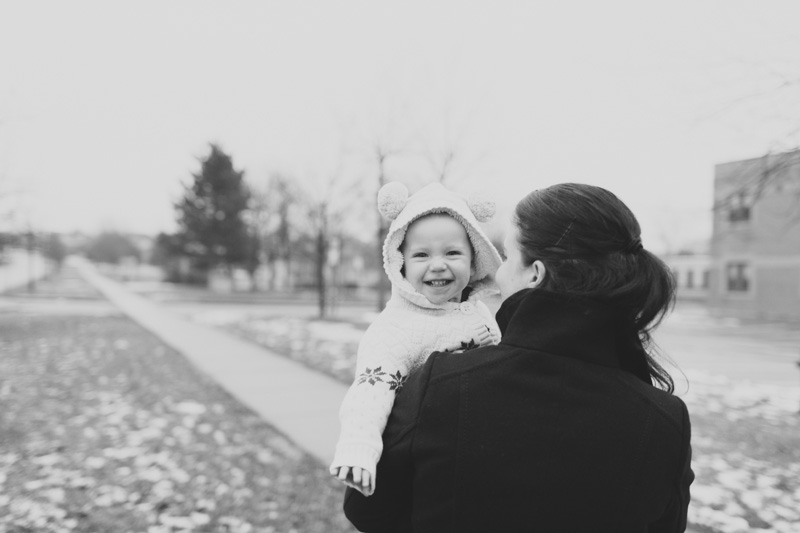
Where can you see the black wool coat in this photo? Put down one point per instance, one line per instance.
(542, 433)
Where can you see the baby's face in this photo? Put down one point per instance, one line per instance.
(437, 256)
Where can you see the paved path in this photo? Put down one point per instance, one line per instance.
(301, 403)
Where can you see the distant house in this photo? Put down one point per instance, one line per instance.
(692, 269)
(351, 264)
(755, 245)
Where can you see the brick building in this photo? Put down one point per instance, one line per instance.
(755, 244)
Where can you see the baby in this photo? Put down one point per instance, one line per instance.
(439, 262)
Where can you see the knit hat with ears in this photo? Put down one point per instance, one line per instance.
(395, 205)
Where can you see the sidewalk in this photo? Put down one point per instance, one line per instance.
(299, 402)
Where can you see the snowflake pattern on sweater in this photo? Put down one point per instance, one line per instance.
(375, 376)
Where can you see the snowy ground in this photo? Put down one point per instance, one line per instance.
(746, 458)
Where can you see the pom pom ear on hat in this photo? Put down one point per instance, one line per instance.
(481, 207)
(392, 198)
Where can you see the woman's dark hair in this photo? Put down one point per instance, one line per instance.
(590, 244)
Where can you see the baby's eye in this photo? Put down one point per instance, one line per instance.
(454, 252)
(419, 254)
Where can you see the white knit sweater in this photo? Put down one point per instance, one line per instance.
(397, 342)
(411, 327)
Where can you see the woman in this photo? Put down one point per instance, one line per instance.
(569, 424)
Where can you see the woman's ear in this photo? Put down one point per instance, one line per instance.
(537, 272)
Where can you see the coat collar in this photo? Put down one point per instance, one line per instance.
(574, 327)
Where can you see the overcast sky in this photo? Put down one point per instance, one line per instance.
(105, 107)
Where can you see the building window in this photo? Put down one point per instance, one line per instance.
(738, 276)
(689, 279)
(740, 211)
(706, 278)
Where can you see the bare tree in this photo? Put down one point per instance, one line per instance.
(320, 222)
(282, 197)
(257, 219)
(755, 177)
(404, 141)
(381, 155)
(772, 98)
(269, 227)
(329, 200)
(446, 144)
(394, 144)
(385, 141)
(442, 158)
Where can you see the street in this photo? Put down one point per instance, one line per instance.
(763, 354)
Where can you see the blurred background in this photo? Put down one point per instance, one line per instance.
(221, 161)
(109, 112)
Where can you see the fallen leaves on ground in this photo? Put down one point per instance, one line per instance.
(103, 428)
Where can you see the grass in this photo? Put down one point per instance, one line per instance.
(106, 429)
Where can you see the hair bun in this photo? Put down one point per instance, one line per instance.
(483, 208)
(392, 198)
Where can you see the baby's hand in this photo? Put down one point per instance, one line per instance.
(479, 335)
(358, 478)
(482, 335)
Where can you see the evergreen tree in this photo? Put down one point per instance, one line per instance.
(212, 228)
